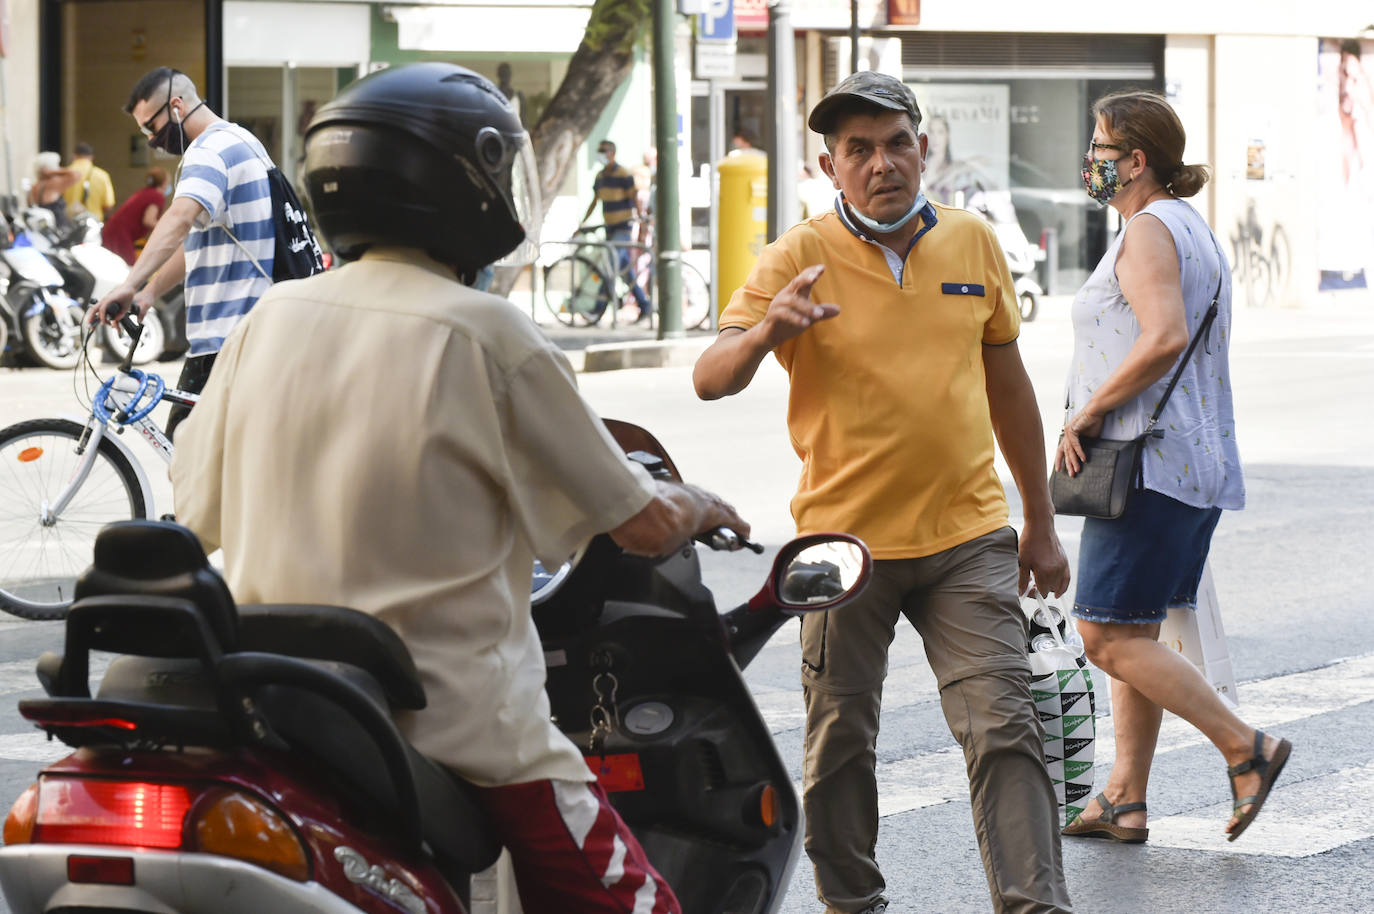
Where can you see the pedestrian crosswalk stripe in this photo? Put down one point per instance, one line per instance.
(1270, 703)
(17, 676)
(1298, 820)
(1296, 825)
(939, 777)
(32, 747)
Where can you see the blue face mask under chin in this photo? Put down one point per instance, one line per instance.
(884, 228)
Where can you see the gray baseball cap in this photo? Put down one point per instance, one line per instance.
(863, 90)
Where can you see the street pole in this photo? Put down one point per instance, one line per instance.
(853, 36)
(782, 95)
(668, 232)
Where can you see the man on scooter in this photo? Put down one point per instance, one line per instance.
(383, 436)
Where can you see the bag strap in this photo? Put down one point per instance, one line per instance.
(267, 164)
(1192, 344)
(251, 258)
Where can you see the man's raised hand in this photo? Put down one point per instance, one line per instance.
(792, 311)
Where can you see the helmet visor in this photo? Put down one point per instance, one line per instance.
(524, 186)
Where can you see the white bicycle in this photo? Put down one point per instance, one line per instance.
(61, 481)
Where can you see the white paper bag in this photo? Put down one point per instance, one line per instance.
(1199, 636)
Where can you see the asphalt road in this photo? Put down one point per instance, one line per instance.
(1292, 576)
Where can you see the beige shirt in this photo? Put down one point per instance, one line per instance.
(384, 438)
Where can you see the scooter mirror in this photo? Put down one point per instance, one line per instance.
(819, 572)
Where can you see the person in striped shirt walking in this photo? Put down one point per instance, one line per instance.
(615, 190)
(221, 189)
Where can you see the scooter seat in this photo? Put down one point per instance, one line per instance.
(452, 823)
(318, 632)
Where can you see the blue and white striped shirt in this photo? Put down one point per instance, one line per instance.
(225, 171)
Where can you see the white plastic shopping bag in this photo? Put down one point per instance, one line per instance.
(1062, 689)
(1199, 636)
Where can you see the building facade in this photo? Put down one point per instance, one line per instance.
(1275, 95)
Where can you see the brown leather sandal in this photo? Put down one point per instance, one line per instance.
(1268, 769)
(1105, 826)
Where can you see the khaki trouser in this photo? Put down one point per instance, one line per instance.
(963, 602)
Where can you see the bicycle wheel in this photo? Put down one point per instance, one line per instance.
(576, 291)
(39, 562)
(696, 298)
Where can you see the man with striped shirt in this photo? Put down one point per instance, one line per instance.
(216, 235)
(615, 190)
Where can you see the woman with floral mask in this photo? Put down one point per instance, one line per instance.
(1132, 320)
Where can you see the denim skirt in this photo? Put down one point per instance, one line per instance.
(1134, 568)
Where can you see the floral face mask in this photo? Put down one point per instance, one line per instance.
(1100, 177)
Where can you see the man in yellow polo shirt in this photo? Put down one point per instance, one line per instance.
(94, 190)
(896, 322)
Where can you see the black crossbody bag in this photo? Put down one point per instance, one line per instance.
(1112, 469)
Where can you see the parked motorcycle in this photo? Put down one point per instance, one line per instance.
(1022, 256)
(44, 319)
(244, 759)
(89, 271)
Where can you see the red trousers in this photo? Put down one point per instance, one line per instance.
(572, 853)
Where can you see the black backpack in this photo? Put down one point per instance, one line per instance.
(296, 252)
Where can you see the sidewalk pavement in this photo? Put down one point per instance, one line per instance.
(606, 348)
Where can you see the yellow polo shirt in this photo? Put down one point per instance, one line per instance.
(888, 408)
(94, 191)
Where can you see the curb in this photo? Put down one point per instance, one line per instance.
(644, 354)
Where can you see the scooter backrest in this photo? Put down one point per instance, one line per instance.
(143, 558)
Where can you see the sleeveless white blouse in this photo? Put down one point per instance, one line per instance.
(1197, 461)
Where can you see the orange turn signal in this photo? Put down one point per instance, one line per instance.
(769, 805)
(238, 825)
(23, 814)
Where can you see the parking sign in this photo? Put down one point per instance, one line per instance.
(718, 22)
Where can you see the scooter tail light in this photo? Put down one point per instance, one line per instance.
(119, 813)
(235, 824)
(22, 817)
(75, 716)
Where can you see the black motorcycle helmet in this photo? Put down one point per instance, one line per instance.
(429, 156)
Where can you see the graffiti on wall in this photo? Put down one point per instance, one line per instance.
(1261, 260)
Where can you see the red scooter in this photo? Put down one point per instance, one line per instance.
(243, 758)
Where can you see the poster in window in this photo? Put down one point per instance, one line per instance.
(903, 12)
(1345, 230)
(968, 131)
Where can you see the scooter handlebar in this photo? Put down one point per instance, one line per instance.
(723, 539)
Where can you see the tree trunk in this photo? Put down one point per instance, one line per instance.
(602, 62)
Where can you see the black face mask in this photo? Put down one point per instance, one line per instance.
(172, 137)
